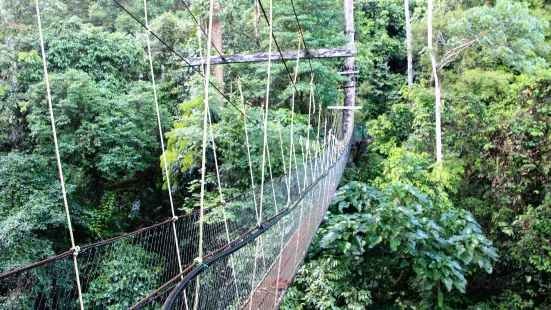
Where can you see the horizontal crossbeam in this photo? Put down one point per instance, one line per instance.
(334, 107)
(259, 57)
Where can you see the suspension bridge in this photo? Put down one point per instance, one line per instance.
(242, 253)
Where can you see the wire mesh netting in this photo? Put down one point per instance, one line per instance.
(141, 268)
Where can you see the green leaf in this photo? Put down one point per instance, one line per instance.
(449, 283)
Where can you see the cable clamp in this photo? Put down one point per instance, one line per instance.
(199, 262)
(75, 250)
(174, 218)
(223, 202)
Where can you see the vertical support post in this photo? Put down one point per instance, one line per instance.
(349, 87)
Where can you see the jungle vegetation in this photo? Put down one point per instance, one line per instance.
(404, 231)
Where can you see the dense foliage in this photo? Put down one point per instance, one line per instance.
(381, 242)
(493, 182)
(403, 232)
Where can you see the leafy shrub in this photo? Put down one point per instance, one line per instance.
(381, 240)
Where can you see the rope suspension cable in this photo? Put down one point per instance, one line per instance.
(266, 109)
(301, 205)
(299, 189)
(265, 145)
(293, 93)
(328, 180)
(328, 160)
(324, 160)
(248, 148)
(161, 138)
(280, 227)
(308, 125)
(219, 184)
(249, 154)
(305, 160)
(317, 160)
(204, 148)
(284, 165)
(316, 171)
(271, 178)
(282, 230)
(334, 128)
(302, 35)
(317, 167)
(330, 138)
(312, 105)
(222, 202)
(74, 247)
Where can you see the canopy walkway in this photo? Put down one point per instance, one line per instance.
(252, 271)
(240, 254)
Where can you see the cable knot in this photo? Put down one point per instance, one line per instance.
(75, 250)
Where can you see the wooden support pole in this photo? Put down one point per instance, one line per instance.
(287, 55)
(349, 87)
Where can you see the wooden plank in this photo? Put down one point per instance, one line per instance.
(348, 73)
(259, 57)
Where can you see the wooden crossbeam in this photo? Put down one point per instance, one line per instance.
(334, 107)
(259, 57)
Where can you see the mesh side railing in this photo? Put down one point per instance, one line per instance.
(120, 272)
(269, 291)
(256, 276)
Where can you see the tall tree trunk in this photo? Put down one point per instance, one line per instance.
(217, 42)
(349, 89)
(408, 45)
(436, 84)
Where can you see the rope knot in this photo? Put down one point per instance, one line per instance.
(75, 250)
